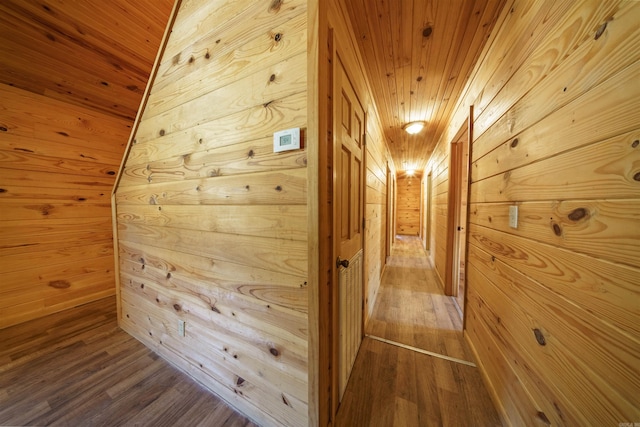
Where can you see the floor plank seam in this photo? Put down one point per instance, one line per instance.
(419, 350)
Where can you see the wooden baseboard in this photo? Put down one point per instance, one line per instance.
(488, 384)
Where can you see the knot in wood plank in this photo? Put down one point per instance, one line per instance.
(539, 337)
(284, 400)
(578, 214)
(600, 31)
(60, 284)
(275, 6)
(543, 418)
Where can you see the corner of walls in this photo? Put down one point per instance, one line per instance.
(125, 156)
(54, 206)
(212, 225)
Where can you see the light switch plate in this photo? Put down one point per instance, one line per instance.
(513, 216)
(181, 328)
(286, 140)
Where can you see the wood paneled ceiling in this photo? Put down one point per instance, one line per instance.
(99, 54)
(418, 56)
(93, 53)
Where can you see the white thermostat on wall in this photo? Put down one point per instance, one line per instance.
(286, 140)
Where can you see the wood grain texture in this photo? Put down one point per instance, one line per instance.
(71, 81)
(93, 55)
(574, 328)
(54, 206)
(102, 375)
(553, 303)
(212, 225)
(418, 77)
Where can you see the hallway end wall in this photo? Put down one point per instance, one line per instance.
(552, 311)
(408, 205)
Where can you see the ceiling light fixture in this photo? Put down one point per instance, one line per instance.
(413, 127)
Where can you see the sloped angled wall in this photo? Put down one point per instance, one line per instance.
(212, 225)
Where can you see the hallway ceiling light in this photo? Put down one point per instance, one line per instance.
(413, 127)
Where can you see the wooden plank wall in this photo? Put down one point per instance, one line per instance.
(58, 162)
(376, 210)
(553, 306)
(408, 205)
(212, 224)
(71, 79)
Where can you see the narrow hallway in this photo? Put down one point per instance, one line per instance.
(414, 368)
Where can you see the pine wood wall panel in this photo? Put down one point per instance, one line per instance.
(553, 308)
(376, 210)
(71, 80)
(408, 205)
(56, 244)
(95, 55)
(212, 225)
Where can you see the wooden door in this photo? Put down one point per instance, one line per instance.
(348, 220)
(455, 282)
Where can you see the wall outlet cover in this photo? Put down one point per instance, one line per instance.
(513, 216)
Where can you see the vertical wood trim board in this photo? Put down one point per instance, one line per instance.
(317, 200)
(552, 309)
(212, 224)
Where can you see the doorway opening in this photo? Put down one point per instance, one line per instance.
(458, 199)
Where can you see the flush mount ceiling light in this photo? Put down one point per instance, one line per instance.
(413, 127)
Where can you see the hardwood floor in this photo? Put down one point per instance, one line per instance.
(393, 385)
(77, 368)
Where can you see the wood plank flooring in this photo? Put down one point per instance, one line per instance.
(77, 368)
(395, 386)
